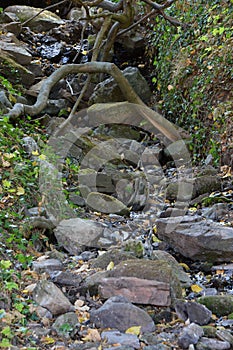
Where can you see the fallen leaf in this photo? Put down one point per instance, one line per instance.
(134, 330)
(20, 191)
(196, 288)
(185, 266)
(92, 335)
(110, 266)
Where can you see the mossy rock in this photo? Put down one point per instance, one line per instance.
(220, 305)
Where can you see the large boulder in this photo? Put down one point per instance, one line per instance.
(43, 22)
(196, 238)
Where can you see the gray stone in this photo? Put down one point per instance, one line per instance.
(23, 75)
(198, 240)
(19, 54)
(193, 311)
(66, 325)
(106, 204)
(108, 90)
(225, 335)
(114, 255)
(212, 344)
(47, 265)
(55, 106)
(76, 234)
(116, 337)
(30, 145)
(49, 296)
(43, 22)
(190, 335)
(119, 313)
(192, 188)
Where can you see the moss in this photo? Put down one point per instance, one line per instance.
(220, 305)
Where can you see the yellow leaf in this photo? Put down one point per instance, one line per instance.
(155, 239)
(155, 229)
(20, 191)
(134, 330)
(35, 153)
(84, 52)
(110, 266)
(185, 266)
(12, 98)
(47, 340)
(196, 289)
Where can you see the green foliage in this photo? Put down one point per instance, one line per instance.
(193, 70)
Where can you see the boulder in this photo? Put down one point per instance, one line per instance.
(22, 76)
(76, 234)
(43, 22)
(117, 312)
(197, 239)
(108, 90)
(49, 296)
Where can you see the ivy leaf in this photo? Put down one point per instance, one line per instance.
(6, 183)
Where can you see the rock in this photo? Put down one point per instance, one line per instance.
(116, 337)
(47, 265)
(66, 325)
(18, 53)
(216, 212)
(177, 151)
(220, 305)
(42, 312)
(43, 22)
(66, 278)
(24, 76)
(137, 290)
(5, 104)
(225, 335)
(114, 255)
(30, 145)
(158, 270)
(106, 204)
(197, 186)
(176, 267)
(190, 335)
(195, 239)
(108, 90)
(133, 42)
(117, 312)
(193, 311)
(13, 27)
(55, 106)
(49, 296)
(76, 234)
(212, 344)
